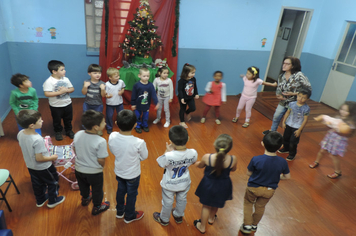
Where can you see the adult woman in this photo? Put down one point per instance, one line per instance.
(289, 82)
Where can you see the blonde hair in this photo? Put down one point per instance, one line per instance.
(112, 71)
(142, 70)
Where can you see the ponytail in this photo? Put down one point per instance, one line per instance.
(223, 145)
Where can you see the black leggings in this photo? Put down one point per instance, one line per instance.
(183, 108)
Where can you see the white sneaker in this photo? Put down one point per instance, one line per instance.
(156, 121)
(167, 124)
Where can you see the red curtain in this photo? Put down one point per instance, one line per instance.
(113, 34)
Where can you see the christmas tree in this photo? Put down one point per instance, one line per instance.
(141, 37)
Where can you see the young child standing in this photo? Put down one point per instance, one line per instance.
(43, 174)
(24, 97)
(176, 178)
(249, 93)
(142, 93)
(115, 88)
(94, 89)
(91, 151)
(265, 172)
(335, 141)
(187, 92)
(294, 122)
(216, 187)
(215, 95)
(129, 151)
(57, 88)
(164, 87)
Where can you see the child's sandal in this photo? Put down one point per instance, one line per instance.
(245, 125)
(314, 165)
(335, 175)
(235, 119)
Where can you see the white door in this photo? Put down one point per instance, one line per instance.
(343, 71)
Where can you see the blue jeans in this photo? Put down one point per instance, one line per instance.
(129, 187)
(141, 122)
(92, 107)
(110, 113)
(277, 116)
(37, 130)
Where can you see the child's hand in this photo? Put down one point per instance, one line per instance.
(133, 108)
(86, 84)
(242, 75)
(319, 118)
(284, 125)
(182, 101)
(170, 100)
(63, 90)
(297, 133)
(169, 147)
(121, 92)
(102, 86)
(109, 95)
(196, 96)
(156, 107)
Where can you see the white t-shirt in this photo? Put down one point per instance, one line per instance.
(53, 85)
(129, 151)
(30, 146)
(114, 89)
(176, 175)
(164, 88)
(89, 148)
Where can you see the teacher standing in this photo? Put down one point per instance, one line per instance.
(289, 83)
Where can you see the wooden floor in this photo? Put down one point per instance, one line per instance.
(308, 204)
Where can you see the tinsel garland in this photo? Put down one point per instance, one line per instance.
(106, 2)
(176, 26)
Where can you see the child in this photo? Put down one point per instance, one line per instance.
(142, 92)
(265, 171)
(24, 97)
(128, 151)
(176, 179)
(187, 91)
(114, 90)
(57, 88)
(215, 94)
(294, 122)
(335, 141)
(93, 89)
(249, 93)
(43, 174)
(164, 87)
(91, 151)
(216, 186)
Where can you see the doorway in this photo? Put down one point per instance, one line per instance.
(289, 40)
(343, 70)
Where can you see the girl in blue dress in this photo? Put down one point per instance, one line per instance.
(216, 187)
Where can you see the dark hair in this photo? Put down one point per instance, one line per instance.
(296, 67)
(217, 72)
(305, 91)
(94, 68)
(272, 141)
(90, 118)
(18, 79)
(223, 145)
(352, 111)
(25, 118)
(160, 70)
(187, 68)
(178, 135)
(54, 65)
(255, 72)
(126, 120)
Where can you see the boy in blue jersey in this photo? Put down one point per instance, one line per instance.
(142, 93)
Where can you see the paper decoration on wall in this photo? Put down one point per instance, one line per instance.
(39, 32)
(52, 30)
(264, 40)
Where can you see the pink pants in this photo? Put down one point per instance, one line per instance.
(249, 104)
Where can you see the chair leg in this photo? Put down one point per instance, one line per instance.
(12, 180)
(4, 198)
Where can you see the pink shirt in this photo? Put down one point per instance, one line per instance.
(250, 87)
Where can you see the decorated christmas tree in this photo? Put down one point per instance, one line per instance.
(141, 37)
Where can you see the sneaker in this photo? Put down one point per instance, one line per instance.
(139, 215)
(167, 124)
(266, 132)
(120, 215)
(157, 218)
(109, 131)
(146, 129)
(217, 121)
(184, 125)
(156, 121)
(70, 134)
(59, 200)
(254, 227)
(283, 150)
(103, 207)
(138, 130)
(202, 120)
(86, 201)
(41, 204)
(290, 158)
(178, 220)
(100, 132)
(246, 229)
(58, 136)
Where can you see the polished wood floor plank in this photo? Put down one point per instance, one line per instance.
(308, 204)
